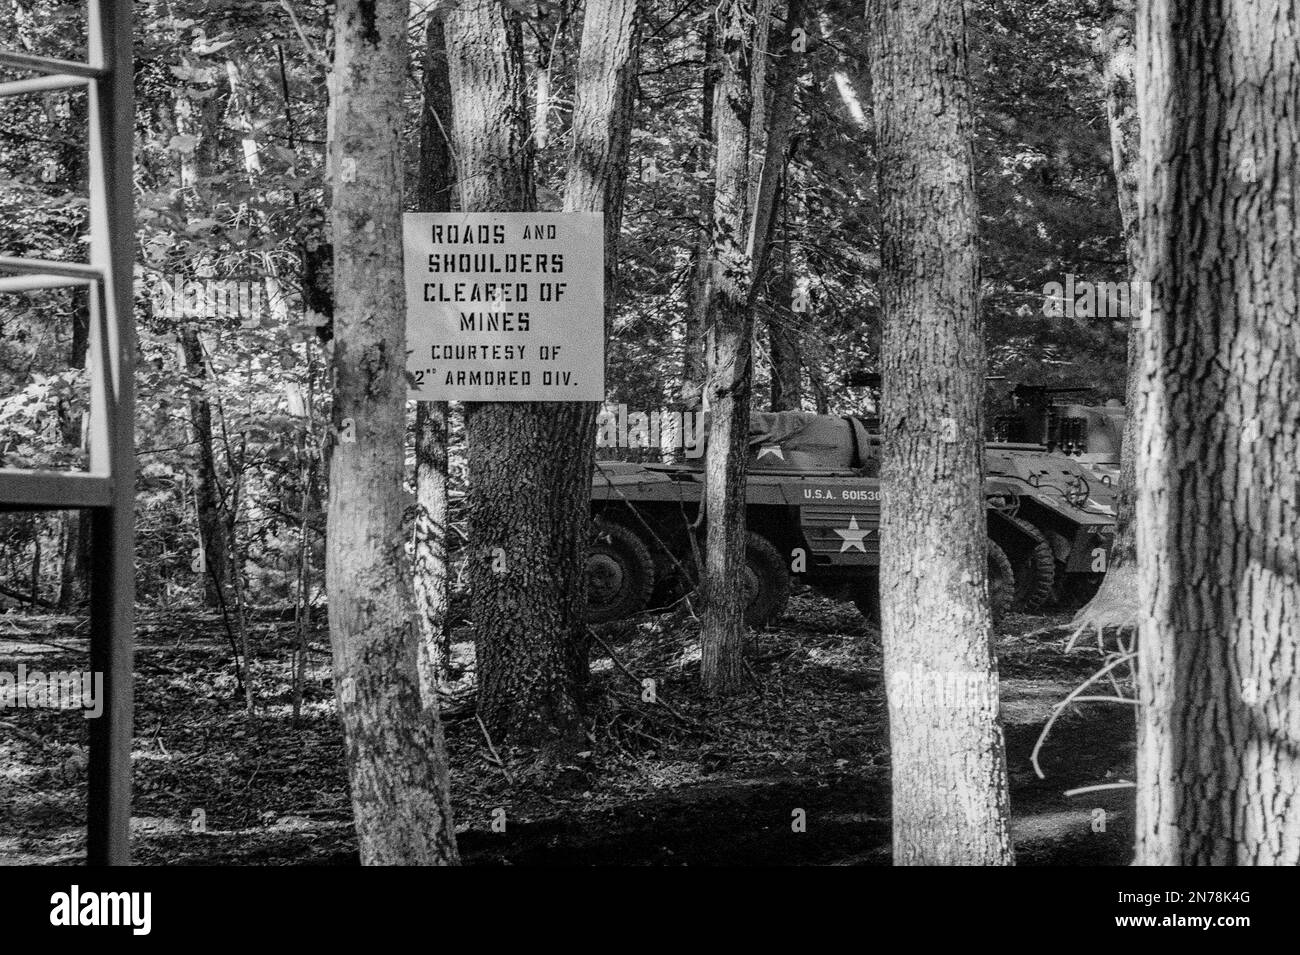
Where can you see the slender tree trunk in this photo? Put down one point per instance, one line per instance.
(75, 545)
(1116, 603)
(693, 370)
(203, 465)
(783, 342)
(752, 146)
(770, 132)
(950, 802)
(728, 345)
(397, 763)
(1218, 515)
(1125, 140)
(787, 52)
(433, 194)
(529, 462)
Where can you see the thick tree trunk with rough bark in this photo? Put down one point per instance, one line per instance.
(433, 194)
(602, 124)
(950, 802)
(397, 763)
(1218, 497)
(529, 462)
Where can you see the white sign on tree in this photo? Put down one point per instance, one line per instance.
(505, 306)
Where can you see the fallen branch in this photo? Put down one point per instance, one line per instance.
(1076, 697)
(638, 681)
(495, 757)
(29, 598)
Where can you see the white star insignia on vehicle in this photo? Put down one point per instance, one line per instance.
(853, 537)
(772, 449)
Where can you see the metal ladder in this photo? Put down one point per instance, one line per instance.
(107, 488)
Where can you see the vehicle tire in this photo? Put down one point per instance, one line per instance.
(1035, 572)
(866, 597)
(1002, 582)
(766, 582)
(675, 575)
(620, 572)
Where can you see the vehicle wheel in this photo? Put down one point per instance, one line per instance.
(866, 598)
(1034, 570)
(620, 573)
(674, 578)
(766, 582)
(1002, 582)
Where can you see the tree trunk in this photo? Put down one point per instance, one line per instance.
(75, 549)
(1125, 140)
(602, 124)
(788, 53)
(950, 801)
(203, 465)
(1218, 516)
(728, 343)
(772, 135)
(397, 763)
(433, 194)
(529, 462)
(783, 342)
(1116, 604)
(693, 370)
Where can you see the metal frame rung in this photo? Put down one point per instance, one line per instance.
(74, 270)
(49, 65)
(37, 84)
(32, 283)
(53, 490)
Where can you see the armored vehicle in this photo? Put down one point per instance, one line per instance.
(812, 506)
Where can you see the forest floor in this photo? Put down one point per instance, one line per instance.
(685, 781)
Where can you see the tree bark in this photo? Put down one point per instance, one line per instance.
(1116, 604)
(433, 194)
(950, 800)
(529, 462)
(203, 466)
(782, 340)
(75, 545)
(770, 132)
(728, 345)
(602, 124)
(1125, 140)
(1218, 516)
(396, 759)
(693, 369)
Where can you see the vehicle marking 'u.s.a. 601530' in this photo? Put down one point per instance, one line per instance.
(840, 494)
